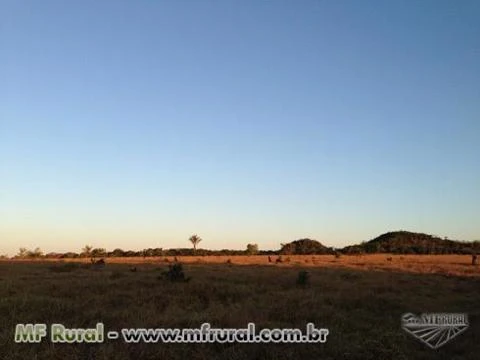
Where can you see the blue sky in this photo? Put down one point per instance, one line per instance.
(134, 124)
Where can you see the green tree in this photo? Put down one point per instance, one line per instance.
(35, 253)
(252, 249)
(98, 252)
(118, 253)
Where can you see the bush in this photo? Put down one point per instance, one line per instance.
(175, 273)
(303, 278)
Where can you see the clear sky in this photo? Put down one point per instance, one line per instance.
(134, 124)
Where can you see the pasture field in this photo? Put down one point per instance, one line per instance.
(360, 299)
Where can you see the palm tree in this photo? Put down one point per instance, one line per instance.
(195, 239)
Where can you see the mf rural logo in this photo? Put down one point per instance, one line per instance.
(435, 330)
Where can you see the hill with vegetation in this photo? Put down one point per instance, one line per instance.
(304, 247)
(405, 242)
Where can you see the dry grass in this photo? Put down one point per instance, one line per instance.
(362, 309)
(454, 265)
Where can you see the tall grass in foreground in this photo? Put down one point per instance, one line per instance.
(362, 309)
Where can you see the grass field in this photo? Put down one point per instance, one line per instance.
(360, 299)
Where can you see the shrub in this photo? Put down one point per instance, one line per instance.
(98, 264)
(175, 273)
(303, 278)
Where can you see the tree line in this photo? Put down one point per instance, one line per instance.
(399, 242)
